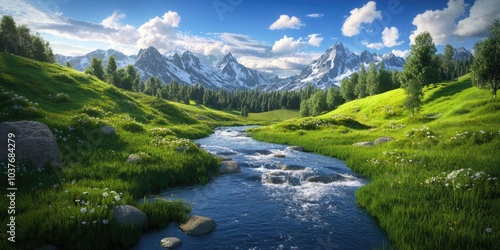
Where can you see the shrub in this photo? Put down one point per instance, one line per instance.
(60, 98)
(133, 127)
(84, 121)
(160, 212)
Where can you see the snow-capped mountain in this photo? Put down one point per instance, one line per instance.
(328, 70)
(82, 62)
(461, 54)
(188, 68)
(338, 63)
(239, 75)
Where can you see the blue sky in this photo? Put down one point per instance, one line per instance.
(280, 36)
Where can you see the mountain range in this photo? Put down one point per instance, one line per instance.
(328, 70)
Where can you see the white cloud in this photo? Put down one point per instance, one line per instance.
(113, 21)
(366, 14)
(482, 14)
(314, 40)
(286, 45)
(315, 15)
(401, 53)
(439, 23)
(159, 31)
(286, 22)
(283, 66)
(390, 37)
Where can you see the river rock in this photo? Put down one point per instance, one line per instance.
(134, 158)
(170, 242)
(292, 167)
(277, 179)
(382, 140)
(279, 155)
(108, 130)
(34, 144)
(225, 158)
(229, 167)
(198, 225)
(363, 144)
(325, 179)
(126, 216)
(296, 148)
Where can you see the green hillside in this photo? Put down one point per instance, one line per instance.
(435, 186)
(75, 106)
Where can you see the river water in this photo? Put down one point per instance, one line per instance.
(300, 201)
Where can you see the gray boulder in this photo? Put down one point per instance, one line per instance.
(382, 140)
(279, 155)
(296, 148)
(292, 167)
(134, 158)
(127, 216)
(170, 242)
(34, 144)
(363, 144)
(108, 130)
(229, 167)
(198, 225)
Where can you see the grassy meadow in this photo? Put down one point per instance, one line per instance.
(71, 207)
(435, 186)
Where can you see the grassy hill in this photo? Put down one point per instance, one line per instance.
(96, 175)
(435, 186)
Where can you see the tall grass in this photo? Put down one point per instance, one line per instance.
(435, 186)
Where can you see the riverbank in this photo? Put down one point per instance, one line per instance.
(435, 186)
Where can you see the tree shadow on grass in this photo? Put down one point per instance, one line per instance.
(449, 89)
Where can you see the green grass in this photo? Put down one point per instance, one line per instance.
(414, 192)
(74, 106)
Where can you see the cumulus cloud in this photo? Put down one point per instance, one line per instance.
(113, 21)
(288, 45)
(315, 15)
(477, 24)
(286, 22)
(159, 30)
(390, 37)
(401, 53)
(439, 23)
(314, 40)
(366, 14)
(283, 66)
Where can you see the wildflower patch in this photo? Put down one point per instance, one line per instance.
(462, 179)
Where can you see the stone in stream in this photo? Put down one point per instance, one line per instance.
(34, 144)
(279, 155)
(198, 225)
(170, 242)
(326, 179)
(296, 148)
(229, 167)
(292, 167)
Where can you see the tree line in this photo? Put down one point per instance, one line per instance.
(18, 40)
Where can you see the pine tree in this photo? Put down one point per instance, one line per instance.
(95, 68)
(447, 62)
(348, 86)
(419, 70)
(9, 38)
(372, 84)
(360, 88)
(485, 70)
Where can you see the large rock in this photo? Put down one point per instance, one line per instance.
(363, 144)
(170, 242)
(134, 158)
(229, 167)
(34, 144)
(126, 216)
(296, 148)
(198, 225)
(108, 130)
(382, 140)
